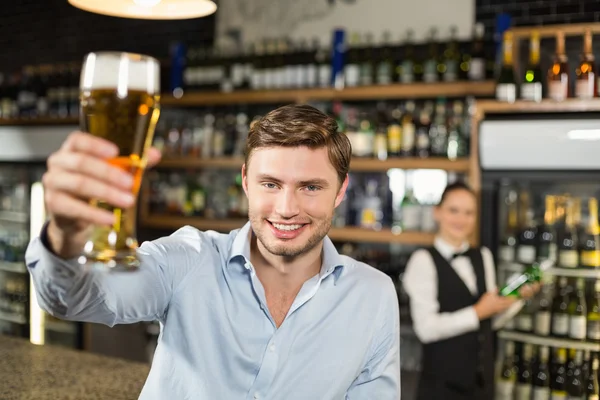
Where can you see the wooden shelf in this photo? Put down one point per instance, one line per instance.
(348, 234)
(524, 32)
(546, 105)
(357, 164)
(374, 92)
(38, 121)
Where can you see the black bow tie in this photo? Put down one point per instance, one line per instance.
(456, 255)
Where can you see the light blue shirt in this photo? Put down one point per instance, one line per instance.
(339, 340)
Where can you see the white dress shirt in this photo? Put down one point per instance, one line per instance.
(420, 282)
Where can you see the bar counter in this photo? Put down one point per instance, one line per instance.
(28, 371)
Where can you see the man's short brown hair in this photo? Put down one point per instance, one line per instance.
(301, 125)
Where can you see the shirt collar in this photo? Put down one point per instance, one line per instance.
(447, 250)
(240, 249)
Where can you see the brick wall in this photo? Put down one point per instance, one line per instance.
(47, 31)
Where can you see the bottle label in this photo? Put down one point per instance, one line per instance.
(311, 75)
(506, 92)
(593, 397)
(525, 322)
(407, 75)
(559, 396)
(577, 326)
(324, 75)
(523, 391)
(541, 393)
(568, 258)
(558, 90)
(451, 73)
(198, 200)
(364, 144)
(560, 324)
(422, 140)
(477, 69)
(590, 258)
(531, 91)
(352, 74)
(384, 73)
(507, 253)
(543, 320)
(526, 254)
(593, 330)
(504, 389)
(584, 88)
(408, 137)
(368, 218)
(366, 73)
(411, 217)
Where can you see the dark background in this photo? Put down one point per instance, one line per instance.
(53, 31)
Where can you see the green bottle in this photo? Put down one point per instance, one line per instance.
(531, 275)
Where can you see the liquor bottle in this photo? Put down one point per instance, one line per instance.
(410, 210)
(406, 68)
(560, 312)
(438, 133)
(559, 382)
(380, 147)
(568, 256)
(364, 139)
(531, 88)
(371, 213)
(408, 130)
(451, 60)
(505, 386)
(430, 66)
(506, 86)
(524, 320)
(543, 314)
(394, 133)
(477, 62)
(578, 312)
(593, 316)
(558, 73)
(508, 244)
(423, 145)
(367, 68)
(585, 80)
(541, 380)
(575, 380)
(531, 274)
(590, 240)
(352, 67)
(592, 389)
(524, 379)
(386, 62)
(528, 231)
(547, 232)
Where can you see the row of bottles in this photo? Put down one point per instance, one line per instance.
(407, 129)
(44, 91)
(13, 293)
(281, 63)
(209, 194)
(554, 232)
(531, 372)
(570, 308)
(558, 84)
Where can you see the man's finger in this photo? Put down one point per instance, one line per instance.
(87, 143)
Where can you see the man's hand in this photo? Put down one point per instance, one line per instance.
(77, 173)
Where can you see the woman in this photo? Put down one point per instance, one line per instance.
(453, 295)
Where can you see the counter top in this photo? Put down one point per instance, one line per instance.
(29, 371)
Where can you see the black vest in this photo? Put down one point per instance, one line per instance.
(460, 367)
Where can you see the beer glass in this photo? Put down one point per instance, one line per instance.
(119, 102)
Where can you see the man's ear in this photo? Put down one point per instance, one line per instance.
(244, 179)
(342, 191)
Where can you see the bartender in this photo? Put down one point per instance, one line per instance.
(453, 296)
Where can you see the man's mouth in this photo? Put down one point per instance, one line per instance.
(287, 227)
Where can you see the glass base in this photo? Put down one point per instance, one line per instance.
(122, 260)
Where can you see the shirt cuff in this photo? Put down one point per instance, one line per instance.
(40, 252)
(469, 316)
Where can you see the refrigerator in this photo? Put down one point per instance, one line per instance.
(540, 187)
(24, 150)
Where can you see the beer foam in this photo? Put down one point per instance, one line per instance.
(121, 71)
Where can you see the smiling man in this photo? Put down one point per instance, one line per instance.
(268, 311)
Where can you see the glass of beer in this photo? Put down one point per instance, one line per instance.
(119, 101)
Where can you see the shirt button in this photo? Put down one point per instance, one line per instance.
(256, 397)
(272, 347)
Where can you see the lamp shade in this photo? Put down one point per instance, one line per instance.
(148, 9)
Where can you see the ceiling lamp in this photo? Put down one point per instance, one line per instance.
(148, 9)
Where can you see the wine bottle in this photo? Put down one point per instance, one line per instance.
(541, 381)
(560, 305)
(543, 315)
(592, 389)
(526, 250)
(524, 379)
(568, 256)
(578, 312)
(585, 81)
(506, 86)
(547, 232)
(558, 74)
(508, 243)
(505, 386)
(575, 380)
(590, 240)
(593, 316)
(532, 274)
(531, 88)
(559, 382)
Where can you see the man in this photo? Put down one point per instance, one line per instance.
(269, 311)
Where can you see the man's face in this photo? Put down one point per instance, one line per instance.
(292, 193)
